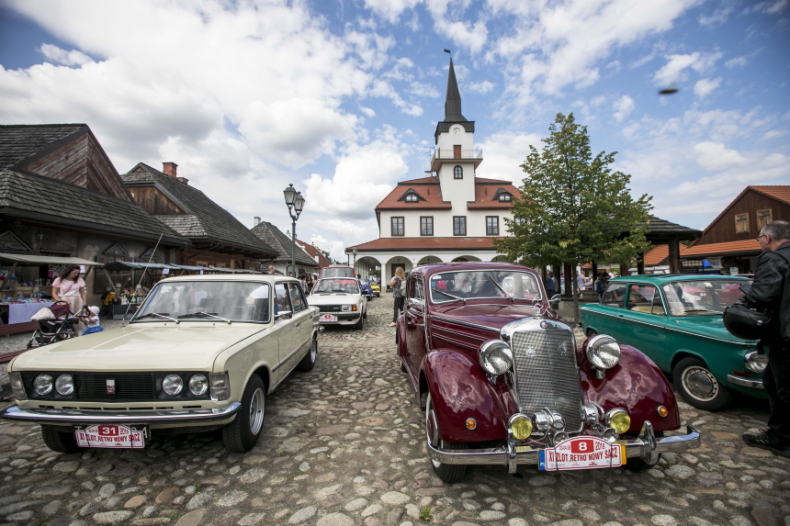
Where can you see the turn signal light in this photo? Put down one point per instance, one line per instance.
(353, 307)
(662, 411)
(471, 424)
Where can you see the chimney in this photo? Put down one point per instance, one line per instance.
(256, 221)
(182, 180)
(170, 169)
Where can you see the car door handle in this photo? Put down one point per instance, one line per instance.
(298, 323)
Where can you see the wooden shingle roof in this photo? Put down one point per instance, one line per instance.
(275, 238)
(19, 142)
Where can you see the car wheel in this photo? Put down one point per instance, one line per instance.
(697, 385)
(402, 366)
(591, 333)
(365, 313)
(447, 473)
(360, 323)
(241, 435)
(58, 440)
(308, 362)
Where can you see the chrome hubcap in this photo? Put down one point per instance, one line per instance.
(700, 383)
(313, 350)
(256, 411)
(428, 410)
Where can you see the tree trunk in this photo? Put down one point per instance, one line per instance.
(674, 256)
(576, 312)
(568, 278)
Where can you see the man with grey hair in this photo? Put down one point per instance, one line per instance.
(770, 291)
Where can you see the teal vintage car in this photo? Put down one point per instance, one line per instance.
(675, 319)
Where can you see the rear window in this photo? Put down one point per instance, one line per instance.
(614, 295)
(337, 272)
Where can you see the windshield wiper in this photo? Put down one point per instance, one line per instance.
(456, 298)
(163, 315)
(506, 293)
(198, 314)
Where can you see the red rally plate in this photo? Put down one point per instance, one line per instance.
(582, 452)
(110, 436)
(328, 317)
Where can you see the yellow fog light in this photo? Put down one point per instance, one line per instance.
(619, 420)
(471, 424)
(662, 411)
(521, 426)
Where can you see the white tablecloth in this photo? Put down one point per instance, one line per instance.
(21, 312)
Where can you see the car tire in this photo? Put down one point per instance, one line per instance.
(447, 473)
(60, 441)
(697, 385)
(402, 366)
(308, 362)
(361, 323)
(591, 333)
(241, 435)
(365, 313)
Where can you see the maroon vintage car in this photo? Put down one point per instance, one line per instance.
(502, 382)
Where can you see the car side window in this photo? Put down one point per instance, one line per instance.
(281, 301)
(297, 300)
(614, 295)
(644, 298)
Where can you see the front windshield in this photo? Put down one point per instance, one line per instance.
(364, 282)
(467, 284)
(207, 301)
(343, 286)
(337, 272)
(701, 298)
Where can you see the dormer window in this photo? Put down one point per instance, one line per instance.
(411, 198)
(505, 198)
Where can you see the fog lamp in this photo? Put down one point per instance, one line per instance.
(521, 426)
(619, 420)
(662, 411)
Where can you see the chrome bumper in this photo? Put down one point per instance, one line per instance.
(745, 382)
(83, 417)
(646, 447)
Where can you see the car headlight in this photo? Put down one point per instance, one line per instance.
(756, 362)
(496, 357)
(603, 351)
(521, 426)
(619, 420)
(43, 384)
(220, 386)
(64, 385)
(198, 384)
(172, 384)
(346, 308)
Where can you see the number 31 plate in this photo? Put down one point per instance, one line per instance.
(582, 452)
(110, 436)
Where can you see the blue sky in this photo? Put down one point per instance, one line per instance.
(341, 98)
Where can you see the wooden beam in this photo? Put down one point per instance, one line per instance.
(674, 256)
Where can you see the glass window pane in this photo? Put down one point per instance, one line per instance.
(642, 298)
(614, 295)
(297, 300)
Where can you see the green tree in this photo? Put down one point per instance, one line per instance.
(574, 207)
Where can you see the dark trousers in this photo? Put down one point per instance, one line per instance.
(776, 380)
(398, 309)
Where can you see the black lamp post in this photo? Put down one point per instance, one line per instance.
(295, 203)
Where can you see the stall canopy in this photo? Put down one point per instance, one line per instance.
(26, 259)
(119, 266)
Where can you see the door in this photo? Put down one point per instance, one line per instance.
(644, 322)
(285, 329)
(457, 151)
(414, 314)
(302, 320)
(610, 314)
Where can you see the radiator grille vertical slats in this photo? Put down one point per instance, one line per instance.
(547, 376)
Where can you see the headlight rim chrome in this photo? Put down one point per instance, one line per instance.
(593, 346)
(752, 366)
(49, 388)
(58, 386)
(200, 392)
(179, 383)
(520, 416)
(612, 413)
(486, 350)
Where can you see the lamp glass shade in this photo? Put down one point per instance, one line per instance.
(354, 250)
(290, 194)
(298, 202)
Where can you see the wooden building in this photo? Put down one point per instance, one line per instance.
(275, 238)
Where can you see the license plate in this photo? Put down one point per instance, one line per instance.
(582, 452)
(328, 317)
(110, 436)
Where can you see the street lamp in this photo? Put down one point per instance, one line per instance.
(354, 250)
(295, 203)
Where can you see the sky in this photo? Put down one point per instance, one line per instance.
(341, 97)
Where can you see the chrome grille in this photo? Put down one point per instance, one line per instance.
(547, 375)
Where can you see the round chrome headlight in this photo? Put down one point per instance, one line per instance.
(172, 384)
(521, 426)
(619, 420)
(43, 384)
(496, 357)
(64, 385)
(198, 384)
(603, 351)
(756, 362)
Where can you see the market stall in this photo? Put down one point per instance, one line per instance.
(20, 299)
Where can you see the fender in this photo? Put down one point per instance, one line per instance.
(635, 384)
(459, 390)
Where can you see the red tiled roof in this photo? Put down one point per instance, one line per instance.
(657, 254)
(426, 243)
(323, 261)
(716, 249)
(484, 195)
(431, 199)
(778, 192)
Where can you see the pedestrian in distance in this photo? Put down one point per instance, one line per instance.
(599, 285)
(579, 281)
(550, 285)
(770, 292)
(397, 294)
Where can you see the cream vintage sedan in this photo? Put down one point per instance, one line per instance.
(202, 353)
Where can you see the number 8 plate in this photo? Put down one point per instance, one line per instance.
(111, 436)
(582, 452)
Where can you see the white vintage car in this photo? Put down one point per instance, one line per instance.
(201, 353)
(341, 302)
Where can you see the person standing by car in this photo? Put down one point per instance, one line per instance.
(599, 285)
(770, 291)
(70, 287)
(550, 286)
(397, 293)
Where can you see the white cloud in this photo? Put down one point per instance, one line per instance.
(714, 156)
(615, 65)
(468, 35)
(390, 9)
(420, 89)
(481, 87)
(623, 107)
(775, 134)
(384, 89)
(719, 16)
(367, 111)
(61, 56)
(770, 7)
(736, 62)
(504, 153)
(705, 87)
(673, 70)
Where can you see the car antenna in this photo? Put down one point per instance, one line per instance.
(123, 321)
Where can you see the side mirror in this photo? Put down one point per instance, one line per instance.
(555, 300)
(283, 314)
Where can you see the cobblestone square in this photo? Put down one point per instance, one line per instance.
(343, 445)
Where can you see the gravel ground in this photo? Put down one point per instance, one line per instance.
(343, 445)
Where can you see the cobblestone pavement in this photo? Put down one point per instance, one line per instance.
(344, 446)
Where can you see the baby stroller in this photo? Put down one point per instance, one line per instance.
(55, 323)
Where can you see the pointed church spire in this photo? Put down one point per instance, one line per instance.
(452, 104)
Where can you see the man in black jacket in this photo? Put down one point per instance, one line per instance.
(771, 291)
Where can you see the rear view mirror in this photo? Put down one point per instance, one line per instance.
(555, 300)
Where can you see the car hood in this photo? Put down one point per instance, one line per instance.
(495, 316)
(143, 346)
(332, 299)
(706, 326)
